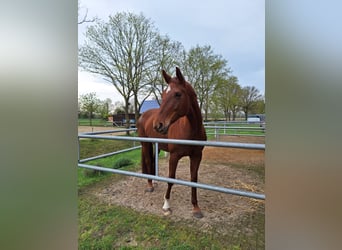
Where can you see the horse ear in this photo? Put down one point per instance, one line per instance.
(179, 75)
(166, 76)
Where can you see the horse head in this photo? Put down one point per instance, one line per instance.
(175, 101)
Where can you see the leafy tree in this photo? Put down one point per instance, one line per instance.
(121, 51)
(79, 109)
(205, 70)
(233, 96)
(89, 103)
(249, 97)
(259, 107)
(227, 97)
(104, 108)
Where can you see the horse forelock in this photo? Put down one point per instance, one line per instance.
(177, 82)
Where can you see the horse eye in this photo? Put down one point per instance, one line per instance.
(178, 94)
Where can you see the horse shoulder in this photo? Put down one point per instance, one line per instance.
(145, 121)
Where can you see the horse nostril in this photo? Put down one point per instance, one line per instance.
(159, 126)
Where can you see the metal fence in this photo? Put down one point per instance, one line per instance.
(235, 128)
(156, 141)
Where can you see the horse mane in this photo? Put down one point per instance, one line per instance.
(196, 112)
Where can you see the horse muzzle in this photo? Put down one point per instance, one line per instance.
(161, 128)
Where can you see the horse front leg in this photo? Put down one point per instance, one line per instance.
(195, 161)
(172, 174)
(148, 164)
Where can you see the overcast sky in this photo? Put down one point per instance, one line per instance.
(234, 29)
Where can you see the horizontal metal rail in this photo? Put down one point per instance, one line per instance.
(235, 128)
(183, 142)
(234, 131)
(178, 181)
(108, 131)
(227, 122)
(109, 154)
(94, 135)
(248, 135)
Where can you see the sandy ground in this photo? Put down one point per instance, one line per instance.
(218, 167)
(84, 129)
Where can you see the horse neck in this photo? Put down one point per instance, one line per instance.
(195, 117)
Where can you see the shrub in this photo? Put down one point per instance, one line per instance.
(122, 162)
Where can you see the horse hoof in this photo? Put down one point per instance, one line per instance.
(167, 212)
(149, 189)
(198, 214)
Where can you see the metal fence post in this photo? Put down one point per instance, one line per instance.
(79, 149)
(156, 158)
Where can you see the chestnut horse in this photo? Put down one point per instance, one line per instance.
(179, 117)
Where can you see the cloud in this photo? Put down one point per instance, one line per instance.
(234, 29)
(88, 83)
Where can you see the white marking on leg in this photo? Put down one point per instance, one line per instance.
(166, 204)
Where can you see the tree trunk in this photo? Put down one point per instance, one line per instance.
(136, 110)
(206, 114)
(127, 115)
(226, 115)
(246, 114)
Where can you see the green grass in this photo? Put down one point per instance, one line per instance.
(106, 226)
(94, 122)
(88, 176)
(93, 147)
(103, 226)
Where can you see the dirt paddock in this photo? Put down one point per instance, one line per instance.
(227, 167)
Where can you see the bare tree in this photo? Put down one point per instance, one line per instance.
(249, 97)
(84, 18)
(168, 54)
(121, 51)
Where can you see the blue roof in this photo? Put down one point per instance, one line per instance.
(148, 104)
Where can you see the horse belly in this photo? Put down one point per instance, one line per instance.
(181, 130)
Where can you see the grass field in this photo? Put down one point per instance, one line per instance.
(103, 226)
(107, 226)
(93, 147)
(94, 122)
